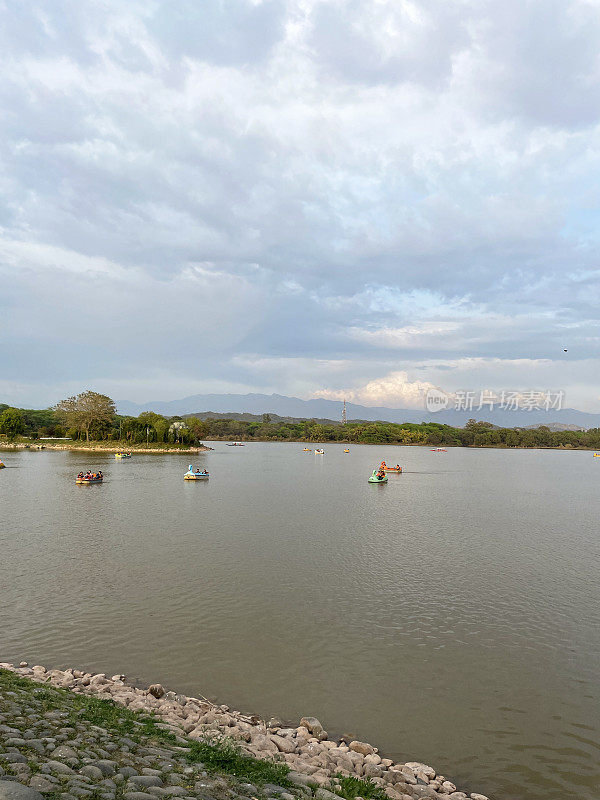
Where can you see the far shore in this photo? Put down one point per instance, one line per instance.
(102, 447)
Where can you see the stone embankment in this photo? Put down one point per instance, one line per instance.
(49, 752)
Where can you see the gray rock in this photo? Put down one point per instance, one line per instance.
(59, 767)
(127, 772)
(145, 780)
(42, 783)
(138, 796)
(14, 758)
(107, 766)
(11, 790)
(299, 778)
(313, 725)
(92, 771)
(323, 794)
(156, 690)
(64, 751)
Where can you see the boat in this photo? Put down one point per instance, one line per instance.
(374, 478)
(346, 451)
(235, 444)
(438, 450)
(393, 469)
(95, 479)
(2, 465)
(190, 475)
(320, 452)
(306, 450)
(596, 455)
(122, 455)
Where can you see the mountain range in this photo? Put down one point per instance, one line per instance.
(318, 408)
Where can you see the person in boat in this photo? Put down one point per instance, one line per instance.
(100, 475)
(398, 467)
(381, 473)
(80, 475)
(383, 465)
(198, 471)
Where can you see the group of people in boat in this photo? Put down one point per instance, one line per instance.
(198, 471)
(90, 476)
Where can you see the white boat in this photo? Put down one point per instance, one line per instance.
(320, 452)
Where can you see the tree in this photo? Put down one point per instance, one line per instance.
(86, 411)
(12, 423)
(198, 428)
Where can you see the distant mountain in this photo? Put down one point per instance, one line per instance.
(318, 408)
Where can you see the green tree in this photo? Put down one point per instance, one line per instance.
(12, 423)
(198, 429)
(87, 411)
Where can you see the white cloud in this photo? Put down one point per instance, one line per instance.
(394, 390)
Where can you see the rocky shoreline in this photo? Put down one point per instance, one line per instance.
(34, 754)
(113, 448)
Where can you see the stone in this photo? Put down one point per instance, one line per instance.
(157, 690)
(138, 796)
(324, 794)
(11, 790)
(262, 742)
(59, 767)
(416, 766)
(314, 727)
(476, 796)
(145, 780)
(109, 767)
(362, 747)
(448, 787)
(64, 751)
(283, 743)
(41, 783)
(92, 771)
(299, 779)
(373, 771)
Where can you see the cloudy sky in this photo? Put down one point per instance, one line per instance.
(311, 197)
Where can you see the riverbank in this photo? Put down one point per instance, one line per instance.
(90, 736)
(103, 447)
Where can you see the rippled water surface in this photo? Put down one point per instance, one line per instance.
(450, 616)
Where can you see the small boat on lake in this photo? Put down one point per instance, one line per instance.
(596, 455)
(320, 452)
(235, 444)
(346, 451)
(192, 475)
(93, 477)
(393, 469)
(306, 450)
(376, 477)
(122, 455)
(2, 465)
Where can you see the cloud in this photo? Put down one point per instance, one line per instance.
(394, 390)
(221, 191)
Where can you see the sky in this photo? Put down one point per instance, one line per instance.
(334, 198)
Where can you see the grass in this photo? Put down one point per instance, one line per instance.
(217, 754)
(350, 787)
(222, 754)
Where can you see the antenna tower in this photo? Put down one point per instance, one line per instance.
(344, 418)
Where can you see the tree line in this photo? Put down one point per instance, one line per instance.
(90, 416)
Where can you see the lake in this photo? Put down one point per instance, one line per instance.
(451, 616)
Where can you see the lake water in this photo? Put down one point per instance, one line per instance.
(450, 616)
